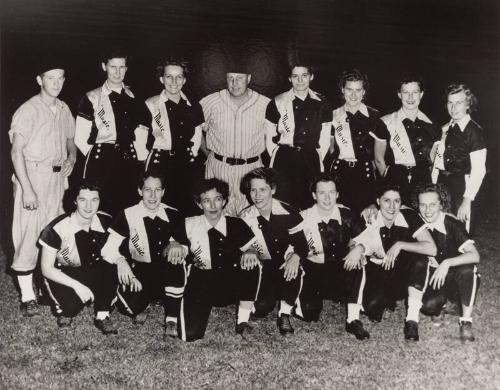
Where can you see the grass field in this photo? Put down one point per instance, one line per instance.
(35, 354)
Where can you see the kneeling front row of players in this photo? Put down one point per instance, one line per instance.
(270, 253)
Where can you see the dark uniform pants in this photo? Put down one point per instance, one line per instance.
(160, 280)
(181, 174)
(328, 281)
(208, 288)
(384, 287)
(461, 283)
(99, 277)
(356, 182)
(456, 186)
(116, 170)
(297, 168)
(273, 287)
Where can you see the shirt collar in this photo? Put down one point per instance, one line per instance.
(164, 98)
(335, 215)
(160, 213)
(463, 122)
(107, 90)
(276, 209)
(221, 226)
(310, 93)
(95, 224)
(420, 115)
(438, 224)
(399, 221)
(363, 109)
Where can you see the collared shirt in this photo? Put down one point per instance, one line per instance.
(354, 133)
(450, 237)
(44, 131)
(115, 122)
(410, 141)
(216, 251)
(279, 235)
(74, 246)
(147, 233)
(183, 118)
(377, 238)
(311, 116)
(328, 237)
(463, 151)
(233, 131)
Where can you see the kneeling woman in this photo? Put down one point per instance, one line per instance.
(395, 239)
(74, 272)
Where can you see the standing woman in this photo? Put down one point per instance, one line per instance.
(460, 161)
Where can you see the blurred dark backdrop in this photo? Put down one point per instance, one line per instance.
(446, 41)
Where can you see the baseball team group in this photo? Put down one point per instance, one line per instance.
(243, 200)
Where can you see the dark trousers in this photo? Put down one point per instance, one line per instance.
(99, 277)
(356, 183)
(181, 174)
(384, 287)
(408, 178)
(461, 283)
(116, 170)
(327, 281)
(273, 287)
(456, 186)
(208, 288)
(160, 280)
(297, 168)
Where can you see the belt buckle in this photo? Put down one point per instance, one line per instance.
(298, 148)
(56, 168)
(351, 164)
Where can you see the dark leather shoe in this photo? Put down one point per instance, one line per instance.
(170, 330)
(466, 333)
(356, 328)
(244, 328)
(30, 309)
(106, 326)
(284, 325)
(411, 330)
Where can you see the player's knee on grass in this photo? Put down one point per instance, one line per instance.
(311, 311)
(263, 307)
(432, 306)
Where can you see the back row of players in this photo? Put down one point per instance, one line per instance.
(232, 127)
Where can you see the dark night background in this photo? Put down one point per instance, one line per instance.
(446, 41)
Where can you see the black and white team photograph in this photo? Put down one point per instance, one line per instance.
(249, 194)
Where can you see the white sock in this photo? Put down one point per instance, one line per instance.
(243, 314)
(26, 287)
(101, 315)
(353, 310)
(414, 304)
(170, 319)
(285, 308)
(465, 319)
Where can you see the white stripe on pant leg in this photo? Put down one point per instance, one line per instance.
(359, 301)
(146, 166)
(181, 312)
(298, 307)
(86, 161)
(474, 287)
(428, 272)
(52, 296)
(124, 302)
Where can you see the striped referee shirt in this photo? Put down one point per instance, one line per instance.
(233, 131)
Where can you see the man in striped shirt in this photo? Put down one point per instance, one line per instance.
(234, 133)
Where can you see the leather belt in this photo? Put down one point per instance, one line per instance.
(236, 161)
